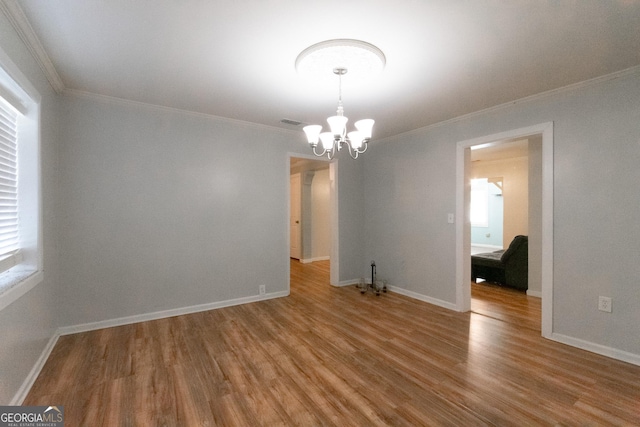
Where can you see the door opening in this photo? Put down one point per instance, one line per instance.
(312, 207)
(541, 220)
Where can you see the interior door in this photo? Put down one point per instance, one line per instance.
(294, 221)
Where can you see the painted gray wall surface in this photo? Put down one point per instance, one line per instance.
(148, 209)
(27, 325)
(410, 186)
(163, 209)
(152, 209)
(351, 253)
(409, 189)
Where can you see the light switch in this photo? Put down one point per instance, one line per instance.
(450, 218)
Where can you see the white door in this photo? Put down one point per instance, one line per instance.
(294, 221)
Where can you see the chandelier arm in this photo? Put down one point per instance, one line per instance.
(352, 152)
(331, 153)
(366, 145)
(324, 151)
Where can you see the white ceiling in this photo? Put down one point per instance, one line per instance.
(235, 58)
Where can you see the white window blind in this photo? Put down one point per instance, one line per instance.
(9, 238)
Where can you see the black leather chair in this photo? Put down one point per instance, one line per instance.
(508, 268)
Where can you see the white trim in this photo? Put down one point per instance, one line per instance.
(20, 23)
(25, 276)
(462, 229)
(334, 269)
(287, 222)
(22, 392)
(310, 260)
(86, 327)
(162, 108)
(92, 326)
(334, 266)
(547, 231)
(346, 283)
(463, 244)
(10, 260)
(487, 246)
(535, 97)
(420, 297)
(24, 282)
(535, 294)
(597, 348)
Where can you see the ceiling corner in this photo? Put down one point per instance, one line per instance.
(20, 23)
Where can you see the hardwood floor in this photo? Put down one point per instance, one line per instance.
(508, 305)
(331, 356)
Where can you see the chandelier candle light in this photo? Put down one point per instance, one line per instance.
(340, 55)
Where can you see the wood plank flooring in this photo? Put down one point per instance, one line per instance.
(331, 356)
(506, 304)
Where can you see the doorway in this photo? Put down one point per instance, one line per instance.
(543, 134)
(312, 206)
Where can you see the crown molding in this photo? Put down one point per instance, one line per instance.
(542, 95)
(162, 108)
(20, 23)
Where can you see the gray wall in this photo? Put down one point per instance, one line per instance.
(410, 187)
(27, 325)
(148, 209)
(350, 220)
(164, 209)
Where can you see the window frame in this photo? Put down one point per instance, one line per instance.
(28, 269)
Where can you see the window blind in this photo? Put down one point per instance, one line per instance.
(9, 238)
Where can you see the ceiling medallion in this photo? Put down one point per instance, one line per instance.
(362, 59)
(339, 57)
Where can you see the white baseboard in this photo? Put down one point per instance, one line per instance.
(310, 260)
(486, 246)
(597, 348)
(19, 397)
(66, 330)
(347, 283)
(536, 294)
(415, 295)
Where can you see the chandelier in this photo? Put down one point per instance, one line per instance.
(333, 141)
(340, 56)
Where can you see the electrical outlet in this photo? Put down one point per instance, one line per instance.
(604, 304)
(263, 290)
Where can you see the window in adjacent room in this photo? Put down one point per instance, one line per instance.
(20, 212)
(479, 214)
